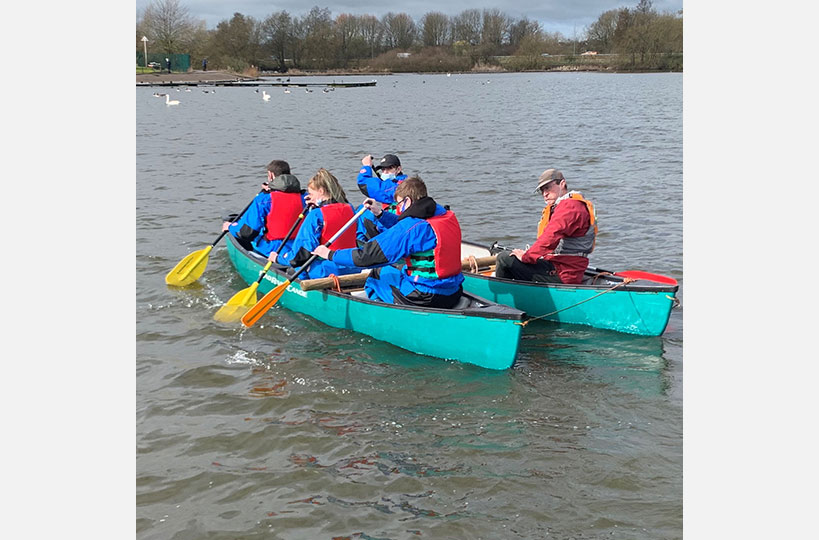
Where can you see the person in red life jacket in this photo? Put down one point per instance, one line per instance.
(380, 186)
(331, 213)
(425, 235)
(272, 213)
(566, 236)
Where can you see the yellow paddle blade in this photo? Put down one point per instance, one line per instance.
(268, 301)
(189, 269)
(237, 306)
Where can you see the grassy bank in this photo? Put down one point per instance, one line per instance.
(440, 61)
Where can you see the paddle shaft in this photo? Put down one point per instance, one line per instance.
(270, 299)
(634, 274)
(328, 242)
(285, 239)
(238, 216)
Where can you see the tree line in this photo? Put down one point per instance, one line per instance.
(640, 36)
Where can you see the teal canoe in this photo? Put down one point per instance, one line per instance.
(476, 331)
(604, 300)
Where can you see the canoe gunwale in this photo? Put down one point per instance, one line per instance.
(492, 310)
(644, 286)
(628, 287)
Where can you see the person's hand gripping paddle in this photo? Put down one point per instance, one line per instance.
(193, 265)
(269, 300)
(243, 300)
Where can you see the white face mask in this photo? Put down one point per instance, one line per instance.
(387, 176)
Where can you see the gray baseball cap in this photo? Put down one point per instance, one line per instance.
(547, 176)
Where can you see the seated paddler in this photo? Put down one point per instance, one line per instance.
(271, 214)
(425, 235)
(330, 214)
(566, 237)
(380, 186)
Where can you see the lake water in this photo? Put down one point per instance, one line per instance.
(291, 429)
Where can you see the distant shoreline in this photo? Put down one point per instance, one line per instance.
(217, 76)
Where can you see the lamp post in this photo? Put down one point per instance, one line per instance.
(145, 48)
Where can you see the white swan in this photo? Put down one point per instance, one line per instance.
(169, 101)
(265, 95)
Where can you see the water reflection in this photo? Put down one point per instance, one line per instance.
(629, 362)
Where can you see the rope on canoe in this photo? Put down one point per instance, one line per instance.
(625, 282)
(336, 282)
(473, 264)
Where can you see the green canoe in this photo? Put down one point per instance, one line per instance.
(603, 300)
(475, 332)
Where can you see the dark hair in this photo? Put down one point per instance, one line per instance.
(413, 187)
(278, 167)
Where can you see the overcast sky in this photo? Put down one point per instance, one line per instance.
(564, 16)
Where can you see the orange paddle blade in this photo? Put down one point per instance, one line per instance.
(268, 301)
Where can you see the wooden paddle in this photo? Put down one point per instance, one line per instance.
(354, 280)
(269, 300)
(193, 265)
(633, 274)
(243, 300)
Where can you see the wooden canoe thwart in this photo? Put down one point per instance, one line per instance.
(357, 280)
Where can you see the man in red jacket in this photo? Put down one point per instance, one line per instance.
(566, 235)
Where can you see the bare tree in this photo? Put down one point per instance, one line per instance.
(467, 26)
(169, 25)
(238, 41)
(495, 28)
(277, 37)
(522, 29)
(435, 29)
(399, 29)
(347, 28)
(319, 39)
(601, 32)
(373, 33)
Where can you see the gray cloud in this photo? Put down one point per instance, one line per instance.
(561, 16)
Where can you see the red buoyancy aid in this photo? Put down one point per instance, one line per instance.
(447, 253)
(335, 215)
(285, 210)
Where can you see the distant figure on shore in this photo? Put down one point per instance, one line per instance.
(168, 64)
(204, 64)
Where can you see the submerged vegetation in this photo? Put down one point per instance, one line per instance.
(623, 39)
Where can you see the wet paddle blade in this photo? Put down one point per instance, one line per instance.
(189, 269)
(268, 301)
(236, 307)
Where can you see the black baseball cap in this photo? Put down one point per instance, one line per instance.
(390, 160)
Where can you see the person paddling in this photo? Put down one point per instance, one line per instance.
(380, 186)
(331, 213)
(273, 211)
(566, 237)
(426, 235)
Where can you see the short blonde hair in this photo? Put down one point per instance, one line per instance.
(324, 180)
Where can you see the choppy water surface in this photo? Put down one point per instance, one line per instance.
(291, 429)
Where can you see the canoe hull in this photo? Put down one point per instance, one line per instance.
(437, 333)
(644, 313)
(642, 307)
